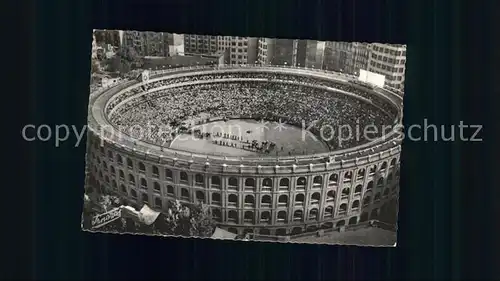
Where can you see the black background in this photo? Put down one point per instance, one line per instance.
(447, 215)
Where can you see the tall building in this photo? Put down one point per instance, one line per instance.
(154, 44)
(111, 37)
(200, 44)
(389, 60)
(240, 50)
(347, 57)
(290, 52)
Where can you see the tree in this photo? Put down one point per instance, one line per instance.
(117, 64)
(186, 221)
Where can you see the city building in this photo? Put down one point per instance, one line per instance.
(346, 57)
(200, 44)
(240, 50)
(282, 52)
(389, 60)
(314, 54)
(154, 44)
(111, 37)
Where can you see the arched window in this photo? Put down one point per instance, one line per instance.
(301, 183)
(156, 172)
(334, 178)
(282, 216)
(233, 183)
(131, 179)
(317, 181)
(216, 199)
(250, 182)
(298, 215)
(393, 162)
(248, 217)
(170, 190)
(283, 200)
(345, 192)
(249, 201)
(122, 175)
(355, 205)
(329, 212)
(299, 199)
(113, 183)
(383, 167)
(123, 188)
(315, 198)
(199, 180)
(119, 159)
(377, 197)
(130, 164)
(343, 209)
(340, 223)
(361, 174)
(110, 155)
(348, 176)
(369, 186)
(373, 170)
(112, 170)
(156, 187)
(142, 168)
(313, 214)
(296, 231)
(358, 189)
(330, 196)
(353, 220)
(200, 196)
(232, 216)
(265, 216)
(184, 177)
(144, 183)
(145, 198)
(104, 166)
(168, 174)
(267, 184)
(284, 183)
(266, 201)
(158, 202)
(233, 200)
(106, 178)
(217, 215)
(184, 194)
(215, 182)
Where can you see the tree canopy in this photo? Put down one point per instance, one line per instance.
(186, 221)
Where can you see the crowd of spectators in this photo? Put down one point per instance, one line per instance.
(266, 96)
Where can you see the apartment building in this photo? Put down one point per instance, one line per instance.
(389, 60)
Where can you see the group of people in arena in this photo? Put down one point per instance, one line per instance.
(271, 96)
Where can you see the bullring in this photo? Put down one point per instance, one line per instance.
(262, 193)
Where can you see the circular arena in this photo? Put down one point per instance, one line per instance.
(270, 150)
